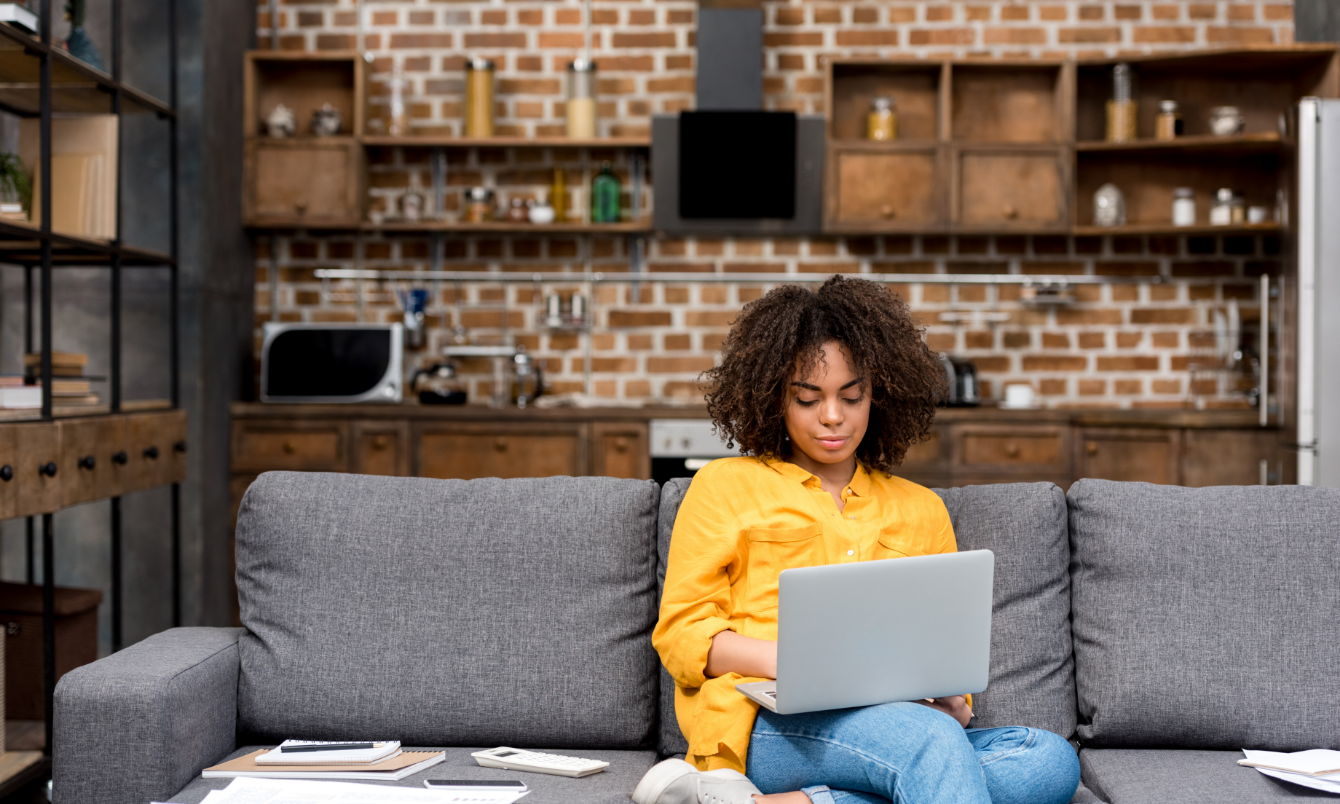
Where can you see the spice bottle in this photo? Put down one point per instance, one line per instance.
(478, 205)
(605, 196)
(582, 99)
(1168, 125)
(1184, 207)
(558, 195)
(881, 123)
(479, 98)
(1121, 108)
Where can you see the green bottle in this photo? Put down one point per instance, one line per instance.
(605, 196)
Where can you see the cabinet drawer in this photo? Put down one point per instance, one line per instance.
(1013, 449)
(94, 458)
(304, 446)
(380, 448)
(309, 180)
(620, 450)
(156, 449)
(886, 189)
(497, 452)
(9, 468)
(1011, 189)
(1129, 454)
(37, 471)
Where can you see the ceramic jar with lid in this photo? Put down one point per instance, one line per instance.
(1109, 206)
(1184, 207)
(1226, 121)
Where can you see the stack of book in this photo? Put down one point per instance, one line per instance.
(309, 759)
(16, 394)
(69, 386)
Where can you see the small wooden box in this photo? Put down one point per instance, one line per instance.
(76, 642)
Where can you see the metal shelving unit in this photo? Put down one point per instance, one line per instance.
(39, 79)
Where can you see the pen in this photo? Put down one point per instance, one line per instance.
(293, 749)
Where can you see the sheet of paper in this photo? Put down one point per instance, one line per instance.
(298, 791)
(1315, 782)
(1321, 761)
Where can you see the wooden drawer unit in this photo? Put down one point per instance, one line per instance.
(1011, 448)
(380, 448)
(885, 187)
(9, 468)
(37, 469)
(156, 448)
(501, 450)
(1231, 457)
(307, 180)
(1011, 188)
(1120, 453)
(620, 450)
(93, 455)
(312, 446)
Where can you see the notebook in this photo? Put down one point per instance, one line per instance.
(392, 769)
(361, 756)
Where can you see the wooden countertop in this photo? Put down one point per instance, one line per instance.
(1084, 417)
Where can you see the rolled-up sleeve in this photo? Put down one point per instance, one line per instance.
(704, 560)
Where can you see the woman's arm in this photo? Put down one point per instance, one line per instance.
(733, 653)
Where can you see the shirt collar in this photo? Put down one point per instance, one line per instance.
(859, 485)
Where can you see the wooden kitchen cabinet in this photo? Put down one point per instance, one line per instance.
(885, 187)
(155, 449)
(468, 451)
(1002, 189)
(1148, 455)
(91, 453)
(1230, 457)
(380, 448)
(38, 470)
(620, 450)
(985, 453)
(310, 446)
(9, 487)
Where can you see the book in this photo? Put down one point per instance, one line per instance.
(67, 387)
(19, 16)
(1316, 762)
(74, 401)
(65, 359)
(392, 769)
(12, 380)
(21, 397)
(365, 756)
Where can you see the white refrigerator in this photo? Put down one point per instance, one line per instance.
(1317, 355)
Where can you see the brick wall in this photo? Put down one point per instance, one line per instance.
(1121, 344)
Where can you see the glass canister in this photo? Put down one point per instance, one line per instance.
(478, 205)
(479, 98)
(582, 99)
(1121, 108)
(881, 123)
(1229, 208)
(1184, 207)
(605, 196)
(1168, 125)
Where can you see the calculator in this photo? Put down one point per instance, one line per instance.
(534, 762)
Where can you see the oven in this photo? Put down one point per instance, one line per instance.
(680, 447)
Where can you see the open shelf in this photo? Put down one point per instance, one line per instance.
(462, 227)
(20, 244)
(914, 85)
(1169, 229)
(1241, 143)
(18, 769)
(418, 141)
(1012, 102)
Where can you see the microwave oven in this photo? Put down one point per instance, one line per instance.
(332, 363)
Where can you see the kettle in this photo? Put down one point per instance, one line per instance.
(527, 380)
(438, 385)
(961, 377)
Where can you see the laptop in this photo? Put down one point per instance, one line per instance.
(875, 632)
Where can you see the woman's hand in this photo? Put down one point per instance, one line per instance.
(956, 706)
(733, 653)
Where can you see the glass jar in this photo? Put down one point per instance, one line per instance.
(1225, 121)
(1168, 125)
(1109, 206)
(1184, 207)
(581, 100)
(1121, 108)
(479, 98)
(1228, 209)
(881, 123)
(605, 196)
(558, 195)
(478, 205)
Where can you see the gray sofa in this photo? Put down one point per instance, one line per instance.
(1161, 628)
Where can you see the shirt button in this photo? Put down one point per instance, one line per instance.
(851, 552)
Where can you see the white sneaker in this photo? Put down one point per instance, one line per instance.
(675, 781)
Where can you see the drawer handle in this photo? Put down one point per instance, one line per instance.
(621, 444)
(1012, 450)
(1091, 447)
(379, 443)
(886, 211)
(500, 444)
(288, 447)
(180, 446)
(300, 206)
(120, 458)
(47, 469)
(6, 473)
(1010, 212)
(151, 453)
(88, 462)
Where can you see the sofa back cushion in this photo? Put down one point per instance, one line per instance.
(1206, 618)
(448, 612)
(1032, 681)
(670, 740)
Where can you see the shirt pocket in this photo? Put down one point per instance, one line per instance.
(772, 550)
(892, 544)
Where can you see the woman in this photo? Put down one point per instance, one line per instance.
(824, 391)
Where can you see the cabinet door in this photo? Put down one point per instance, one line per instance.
(309, 180)
(619, 449)
(1016, 452)
(9, 469)
(380, 448)
(1017, 188)
(1150, 456)
(38, 471)
(885, 189)
(312, 446)
(1228, 457)
(466, 452)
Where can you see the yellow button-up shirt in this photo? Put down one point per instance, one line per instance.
(743, 521)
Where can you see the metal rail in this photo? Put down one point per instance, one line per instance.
(741, 278)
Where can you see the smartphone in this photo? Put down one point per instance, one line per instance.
(475, 784)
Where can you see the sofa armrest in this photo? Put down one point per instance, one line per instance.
(138, 725)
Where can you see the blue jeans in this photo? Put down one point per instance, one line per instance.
(909, 754)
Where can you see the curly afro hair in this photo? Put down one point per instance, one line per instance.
(783, 331)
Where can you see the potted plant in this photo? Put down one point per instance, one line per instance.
(16, 189)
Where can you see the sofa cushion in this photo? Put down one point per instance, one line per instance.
(1205, 618)
(448, 612)
(1032, 681)
(670, 740)
(611, 786)
(1152, 776)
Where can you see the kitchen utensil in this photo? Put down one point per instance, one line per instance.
(527, 380)
(1018, 396)
(414, 302)
(961, 379)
